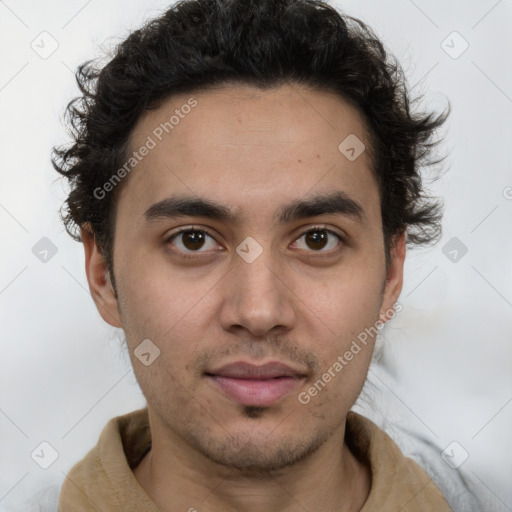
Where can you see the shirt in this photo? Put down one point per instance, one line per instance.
(103, 480)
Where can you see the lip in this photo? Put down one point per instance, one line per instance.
(252, 385)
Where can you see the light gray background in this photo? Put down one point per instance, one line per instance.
(447, 366)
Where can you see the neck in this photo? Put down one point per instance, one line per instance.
(176, 477)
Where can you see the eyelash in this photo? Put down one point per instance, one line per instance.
(192, 254)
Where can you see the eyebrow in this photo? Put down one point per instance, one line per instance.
(337, 203)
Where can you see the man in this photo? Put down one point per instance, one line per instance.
(245, 178)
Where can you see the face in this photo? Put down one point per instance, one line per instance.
(249, 251)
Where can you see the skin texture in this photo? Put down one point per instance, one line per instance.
(253, 151)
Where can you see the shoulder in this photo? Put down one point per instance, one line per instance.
(398, 482)
(106, 468)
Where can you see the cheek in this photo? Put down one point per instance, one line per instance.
(157, 301)
(337, 384)
(344, 309)
(175, 314)
(345, 302)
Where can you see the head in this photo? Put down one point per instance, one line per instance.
(278, 137)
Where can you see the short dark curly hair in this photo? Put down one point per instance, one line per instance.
(198, 44)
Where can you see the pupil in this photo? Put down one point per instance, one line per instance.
(193, 240)
(318, 239)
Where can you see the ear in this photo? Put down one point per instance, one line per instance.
(394, 277)
(98, 278)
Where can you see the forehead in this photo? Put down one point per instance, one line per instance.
(239, 145)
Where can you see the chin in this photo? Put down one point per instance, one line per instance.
(255, 453)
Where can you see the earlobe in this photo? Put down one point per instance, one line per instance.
(98, 277)
(394, 277)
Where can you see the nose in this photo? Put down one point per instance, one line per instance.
(257, 299)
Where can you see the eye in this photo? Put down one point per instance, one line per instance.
(192, 240)
(318, 239)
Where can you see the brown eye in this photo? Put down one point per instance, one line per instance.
(192, 240)
(318, 239)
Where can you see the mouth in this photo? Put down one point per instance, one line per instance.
(258, 386)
